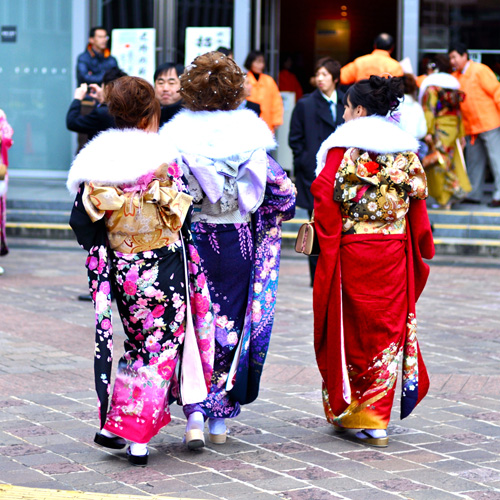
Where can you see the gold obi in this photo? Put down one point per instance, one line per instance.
(142, 220)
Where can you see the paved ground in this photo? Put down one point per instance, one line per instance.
(281, 446)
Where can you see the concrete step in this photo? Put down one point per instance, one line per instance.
(40, 230)
(47, 205)
(41, 216)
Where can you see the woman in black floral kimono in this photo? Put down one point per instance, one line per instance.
(130, 208)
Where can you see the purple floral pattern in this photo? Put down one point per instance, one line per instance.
(251, 321)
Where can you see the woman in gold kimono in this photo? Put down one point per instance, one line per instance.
(440, 97)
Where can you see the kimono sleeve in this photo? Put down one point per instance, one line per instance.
(280, 192)
(88, 233)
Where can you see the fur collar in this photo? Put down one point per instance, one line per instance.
(370, 133)
(443, 80)
(217, 134)
(116, 157)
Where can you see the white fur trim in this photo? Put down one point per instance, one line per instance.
(116, 157)
(370, 133)
(217, 134)
(443, 80)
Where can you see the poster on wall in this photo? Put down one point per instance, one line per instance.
(205, 39)
(135, 51)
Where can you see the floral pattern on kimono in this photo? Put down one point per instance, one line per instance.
(228, 278)
(278, 206)
(244, 308)
(374, 193)
(364, 298)
(150, 290)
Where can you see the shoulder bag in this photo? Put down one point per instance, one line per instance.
(307, 239)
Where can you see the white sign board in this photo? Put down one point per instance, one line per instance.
(135, 51)
(202, 40)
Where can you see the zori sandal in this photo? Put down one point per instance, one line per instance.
(366, 438)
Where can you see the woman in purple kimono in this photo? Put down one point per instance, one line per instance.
(241, 196)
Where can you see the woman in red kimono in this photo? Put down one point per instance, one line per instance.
(373, 231)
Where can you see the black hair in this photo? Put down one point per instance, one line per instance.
(113, 74)
(94, 29)
(251, 57)
(166, 67)
(331, 65)
(224, 50)
(384, 41)
(376, 94)
(459, 47)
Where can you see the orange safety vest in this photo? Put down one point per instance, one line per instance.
(379, 63)
(266, 93)
(481, 107)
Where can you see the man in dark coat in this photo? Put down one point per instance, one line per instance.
(96, 60)
(314, 118)
(167, 86)
(99, 118)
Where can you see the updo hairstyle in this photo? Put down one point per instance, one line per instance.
(212, 82)
(132, 102)
(376, 94)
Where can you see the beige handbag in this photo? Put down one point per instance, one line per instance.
(307, 239)
(3, 171)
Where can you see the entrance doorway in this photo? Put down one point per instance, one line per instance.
(343, 30)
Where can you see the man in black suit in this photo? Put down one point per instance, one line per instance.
(314, 118)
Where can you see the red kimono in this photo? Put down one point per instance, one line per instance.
(373, 232)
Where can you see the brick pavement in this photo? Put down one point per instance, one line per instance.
(281, 446)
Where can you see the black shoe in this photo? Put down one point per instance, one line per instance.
(115, 443)
(494, 203)
(85, 296)
(471, 201)
(138, 460)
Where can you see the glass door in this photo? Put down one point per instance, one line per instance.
(36, 70)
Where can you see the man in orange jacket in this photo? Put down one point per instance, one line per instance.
(379, 62)
(481, 117)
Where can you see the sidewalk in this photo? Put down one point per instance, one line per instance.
(281, 445)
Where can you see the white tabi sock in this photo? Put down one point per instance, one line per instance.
(195, 421)
(375, 433)
(216, 425)
(139, 449)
